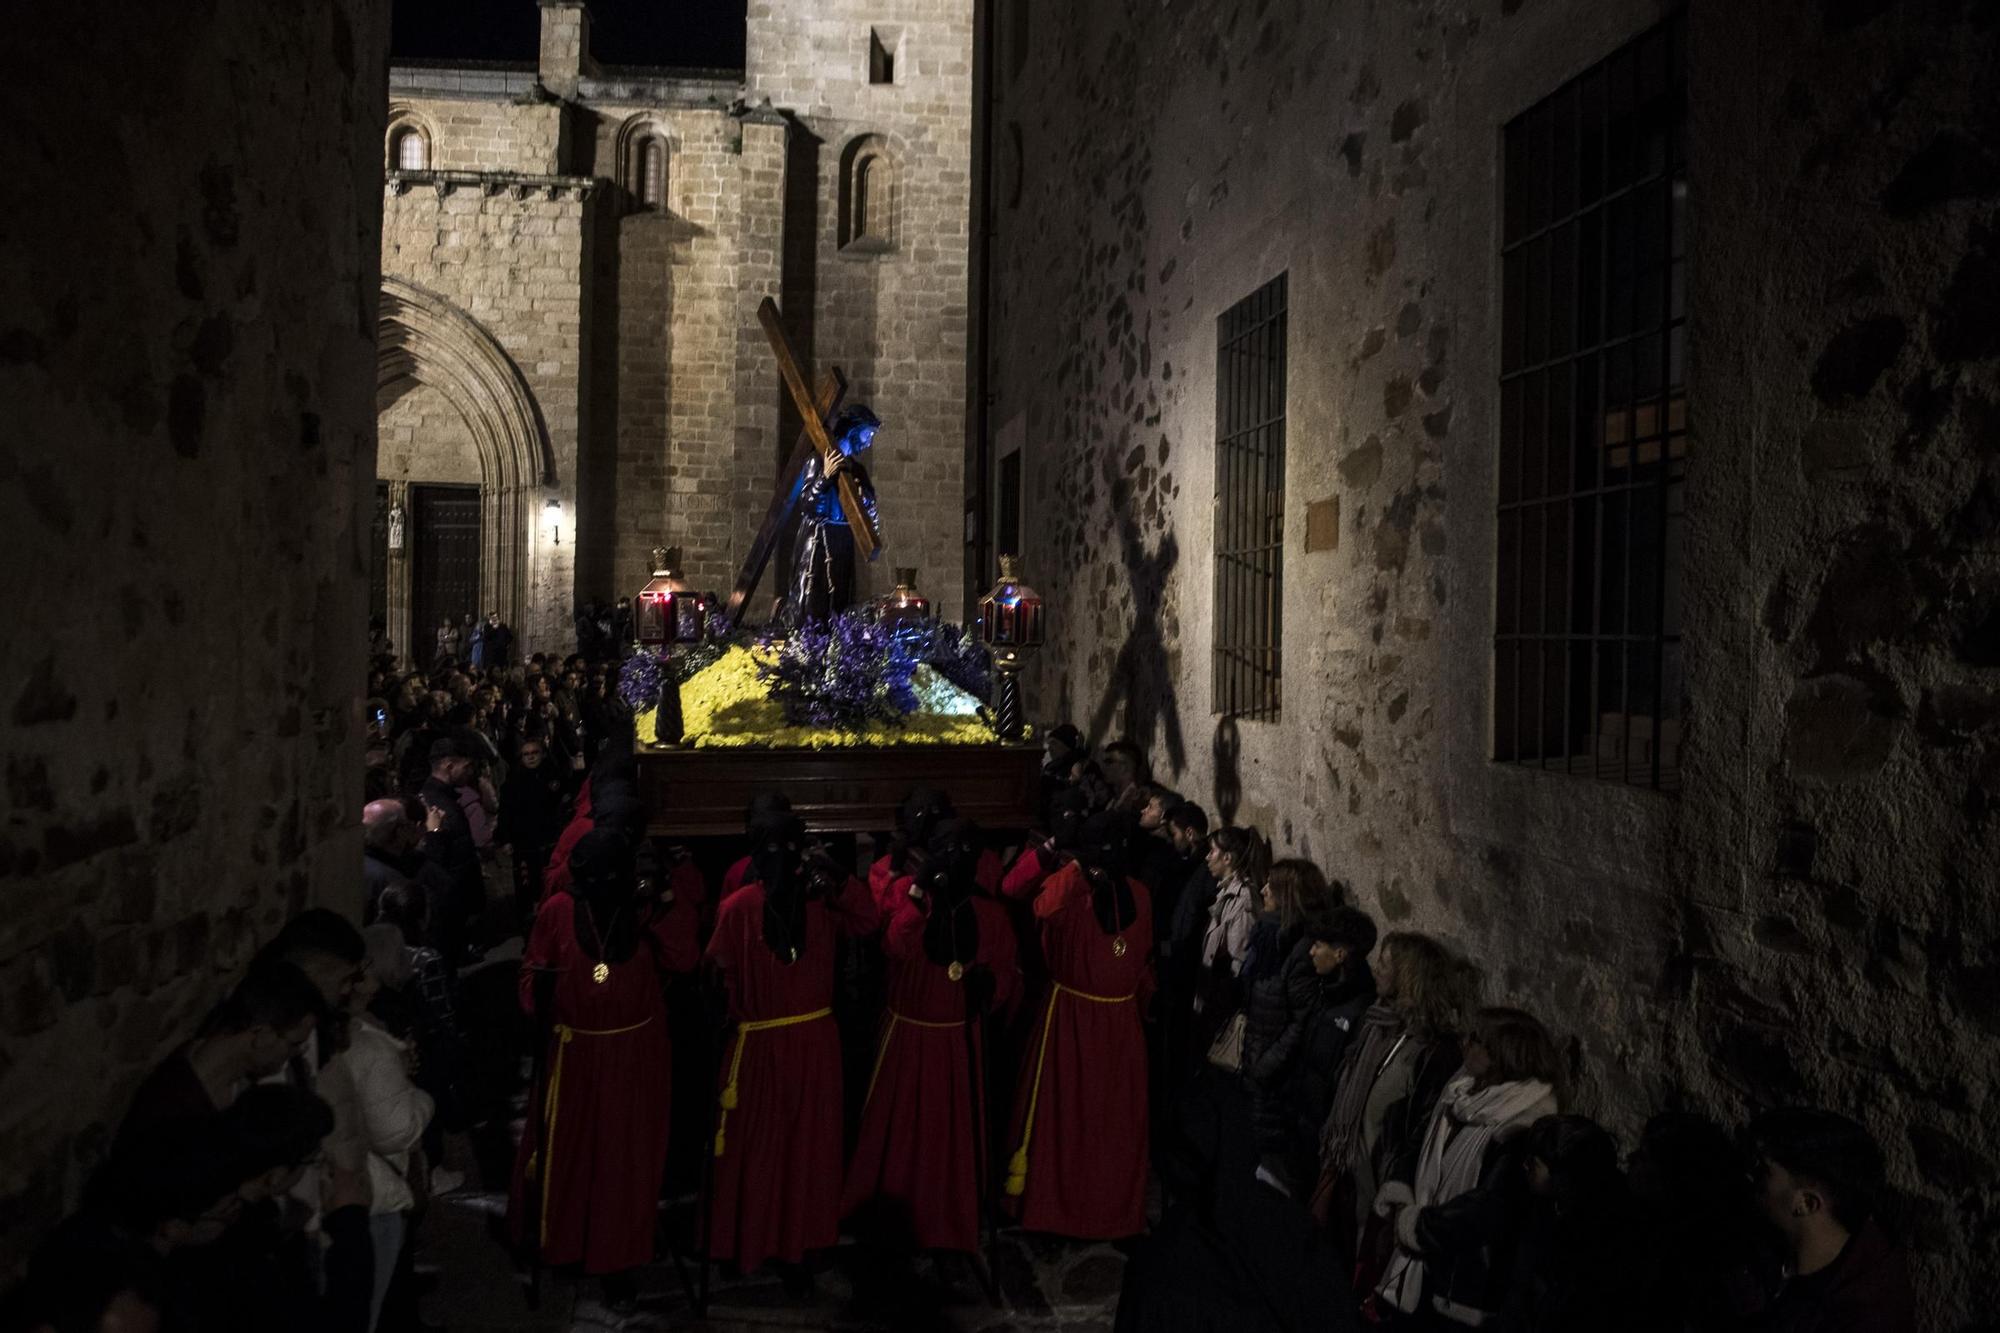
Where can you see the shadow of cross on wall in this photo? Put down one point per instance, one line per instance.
(1139, 680)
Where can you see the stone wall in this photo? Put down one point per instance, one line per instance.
(187, 354)
(1811, 917)
(664, 352)
(894, 317)
(511, 257)
(422, 437)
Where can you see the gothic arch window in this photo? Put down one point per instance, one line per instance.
(645, 164)
(869, 195)
(411, 145)
(653, 174)
(413, 153)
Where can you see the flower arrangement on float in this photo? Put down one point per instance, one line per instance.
(860, 679)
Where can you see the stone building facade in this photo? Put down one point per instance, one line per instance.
(184, 483)
(587, 248)
(1811, 915)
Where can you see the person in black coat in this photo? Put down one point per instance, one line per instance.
(1280, 988)
(447, 842)
(534, 806)
(1337, 943)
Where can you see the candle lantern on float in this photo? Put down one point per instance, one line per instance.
(668, 611)
(904, 605)
(1010, 625)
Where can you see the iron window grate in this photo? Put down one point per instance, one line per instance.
(1593, 422)
(1250, 504)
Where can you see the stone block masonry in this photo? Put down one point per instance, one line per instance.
(187, 353)
(1811, 917)
(677, 404)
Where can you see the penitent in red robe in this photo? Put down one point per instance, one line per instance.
(606, 1097)
(776, 1190)
(1079, 1127)
(919, 1139)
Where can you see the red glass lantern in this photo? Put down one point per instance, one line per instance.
(668, 610)
(905, 605)
(1010, 625)
(1010, 616)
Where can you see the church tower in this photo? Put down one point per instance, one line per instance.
(876, 245)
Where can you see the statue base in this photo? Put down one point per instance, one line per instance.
(704, 792)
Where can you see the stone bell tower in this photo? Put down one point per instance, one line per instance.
(876, 242)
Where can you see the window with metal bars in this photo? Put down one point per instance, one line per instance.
(1250, 503)
(1593, 422)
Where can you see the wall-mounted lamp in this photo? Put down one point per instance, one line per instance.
(552, 519)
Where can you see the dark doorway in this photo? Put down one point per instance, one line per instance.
(444, 571)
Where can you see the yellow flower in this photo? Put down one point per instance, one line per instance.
(725, 705)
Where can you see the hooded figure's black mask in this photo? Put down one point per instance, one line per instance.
(921, 812)
(951, 932)
(777, 851)
(1066, 818)
(1100, 850)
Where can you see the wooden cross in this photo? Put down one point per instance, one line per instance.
(816, 411)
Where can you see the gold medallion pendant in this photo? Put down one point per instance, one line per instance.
(1118, 947)
(601, 973)
(956, 971)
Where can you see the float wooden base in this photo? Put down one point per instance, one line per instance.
(701, 793)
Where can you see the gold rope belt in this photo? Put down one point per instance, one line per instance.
(550, 1101)
(743, 1031)
(882, 1048)
(1017, 1165)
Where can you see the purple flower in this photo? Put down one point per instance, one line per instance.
(844, 672)
(639, 680)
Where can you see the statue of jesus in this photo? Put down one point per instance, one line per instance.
(823, 569)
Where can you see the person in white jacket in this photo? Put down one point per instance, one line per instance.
(394, 1112)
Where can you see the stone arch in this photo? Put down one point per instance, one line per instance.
(406, 118)
(639, 134)
(870, 194)
(422, 338)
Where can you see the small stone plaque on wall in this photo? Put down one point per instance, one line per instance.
(1323, 525)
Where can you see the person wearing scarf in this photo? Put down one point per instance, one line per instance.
(1403, 1052)
(1509, 1080)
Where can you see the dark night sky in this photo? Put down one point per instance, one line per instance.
(622, 32)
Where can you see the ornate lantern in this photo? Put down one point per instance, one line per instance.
(668, 610)
(1010, 625)
(905, 605)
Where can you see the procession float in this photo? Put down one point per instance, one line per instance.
(845, 708)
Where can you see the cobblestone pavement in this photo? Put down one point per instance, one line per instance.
(1045, 1285)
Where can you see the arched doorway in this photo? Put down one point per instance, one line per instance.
(475, 423)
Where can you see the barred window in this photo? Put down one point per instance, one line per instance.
(1250, 503)
(1593, 422)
